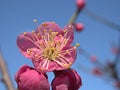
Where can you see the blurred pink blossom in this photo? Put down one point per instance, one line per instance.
(49, 47)
(80, 4)
(28, 78)
(79, 27)
(93, 58)
(117, 84)
(66, 80)
(97, 71)
(115, 50)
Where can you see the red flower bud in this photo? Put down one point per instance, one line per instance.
(28, 78)
(93, 58)
(97, 71)
(80, 4)
(79, 27)
(66, 80)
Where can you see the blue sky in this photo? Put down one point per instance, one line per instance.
(16, 16)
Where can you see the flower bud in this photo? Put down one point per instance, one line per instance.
(80, 4)
(93, 58)
(66, 80)
(115, 50)
(97, 72)
(28, 78)
(79, 27)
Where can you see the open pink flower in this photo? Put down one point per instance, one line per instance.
(49, 47)
(66, 80)
(28, 78)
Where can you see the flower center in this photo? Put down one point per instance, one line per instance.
(50, 53)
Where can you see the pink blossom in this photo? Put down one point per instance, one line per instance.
(28, 78)
(49, 47)
(97, 71)
(80, 4)
(117, 84)
(66, 80)
(115, 50)
(79, 27)
(93, 58)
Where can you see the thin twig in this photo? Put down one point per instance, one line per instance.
(102, 19)
(5, 75)
(74, 16)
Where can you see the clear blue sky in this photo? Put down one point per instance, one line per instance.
(16, 17)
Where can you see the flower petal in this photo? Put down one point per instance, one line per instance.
(44, 65)
(68, 33)
(66, 58)
(25, 42)
(48, 26)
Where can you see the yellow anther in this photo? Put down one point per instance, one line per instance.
(58, 43)
(25, 33)
(69, 26)
(34, 20)
(36, 55)
(44, 24)
(53, 22)
(67, 65)
(67, 51)
(41, 43)
(65, 30)
(53, 34)
(50, 30)
(60, 35)
(33, 31)
(74, 47)
(56, 33)
(45, 30)
(28, 51)
(38, 34)
(77, 45)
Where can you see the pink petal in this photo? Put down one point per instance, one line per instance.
(50, 66)
(48, 26)
(69, 33)
(25, 42)
(68, 57)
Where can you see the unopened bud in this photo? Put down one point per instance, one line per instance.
(79, 27)
(80, 4)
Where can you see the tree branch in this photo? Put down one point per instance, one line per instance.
(5, 75)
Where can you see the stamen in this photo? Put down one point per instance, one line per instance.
(44, 24)
(29, 51)
(65, 31)
(60, 35)
(53, 22)
(33, 31)
(56, 33)
(35, 21)
(25, 33)
(67, 65)
(45, 30)
(77, 45)
(69, 26)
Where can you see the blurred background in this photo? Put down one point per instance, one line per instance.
(16, 16)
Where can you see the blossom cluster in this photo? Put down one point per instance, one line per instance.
(50, 50)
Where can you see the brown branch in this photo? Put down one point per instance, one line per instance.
(102, 19)
(5, 75)
(74, 17)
